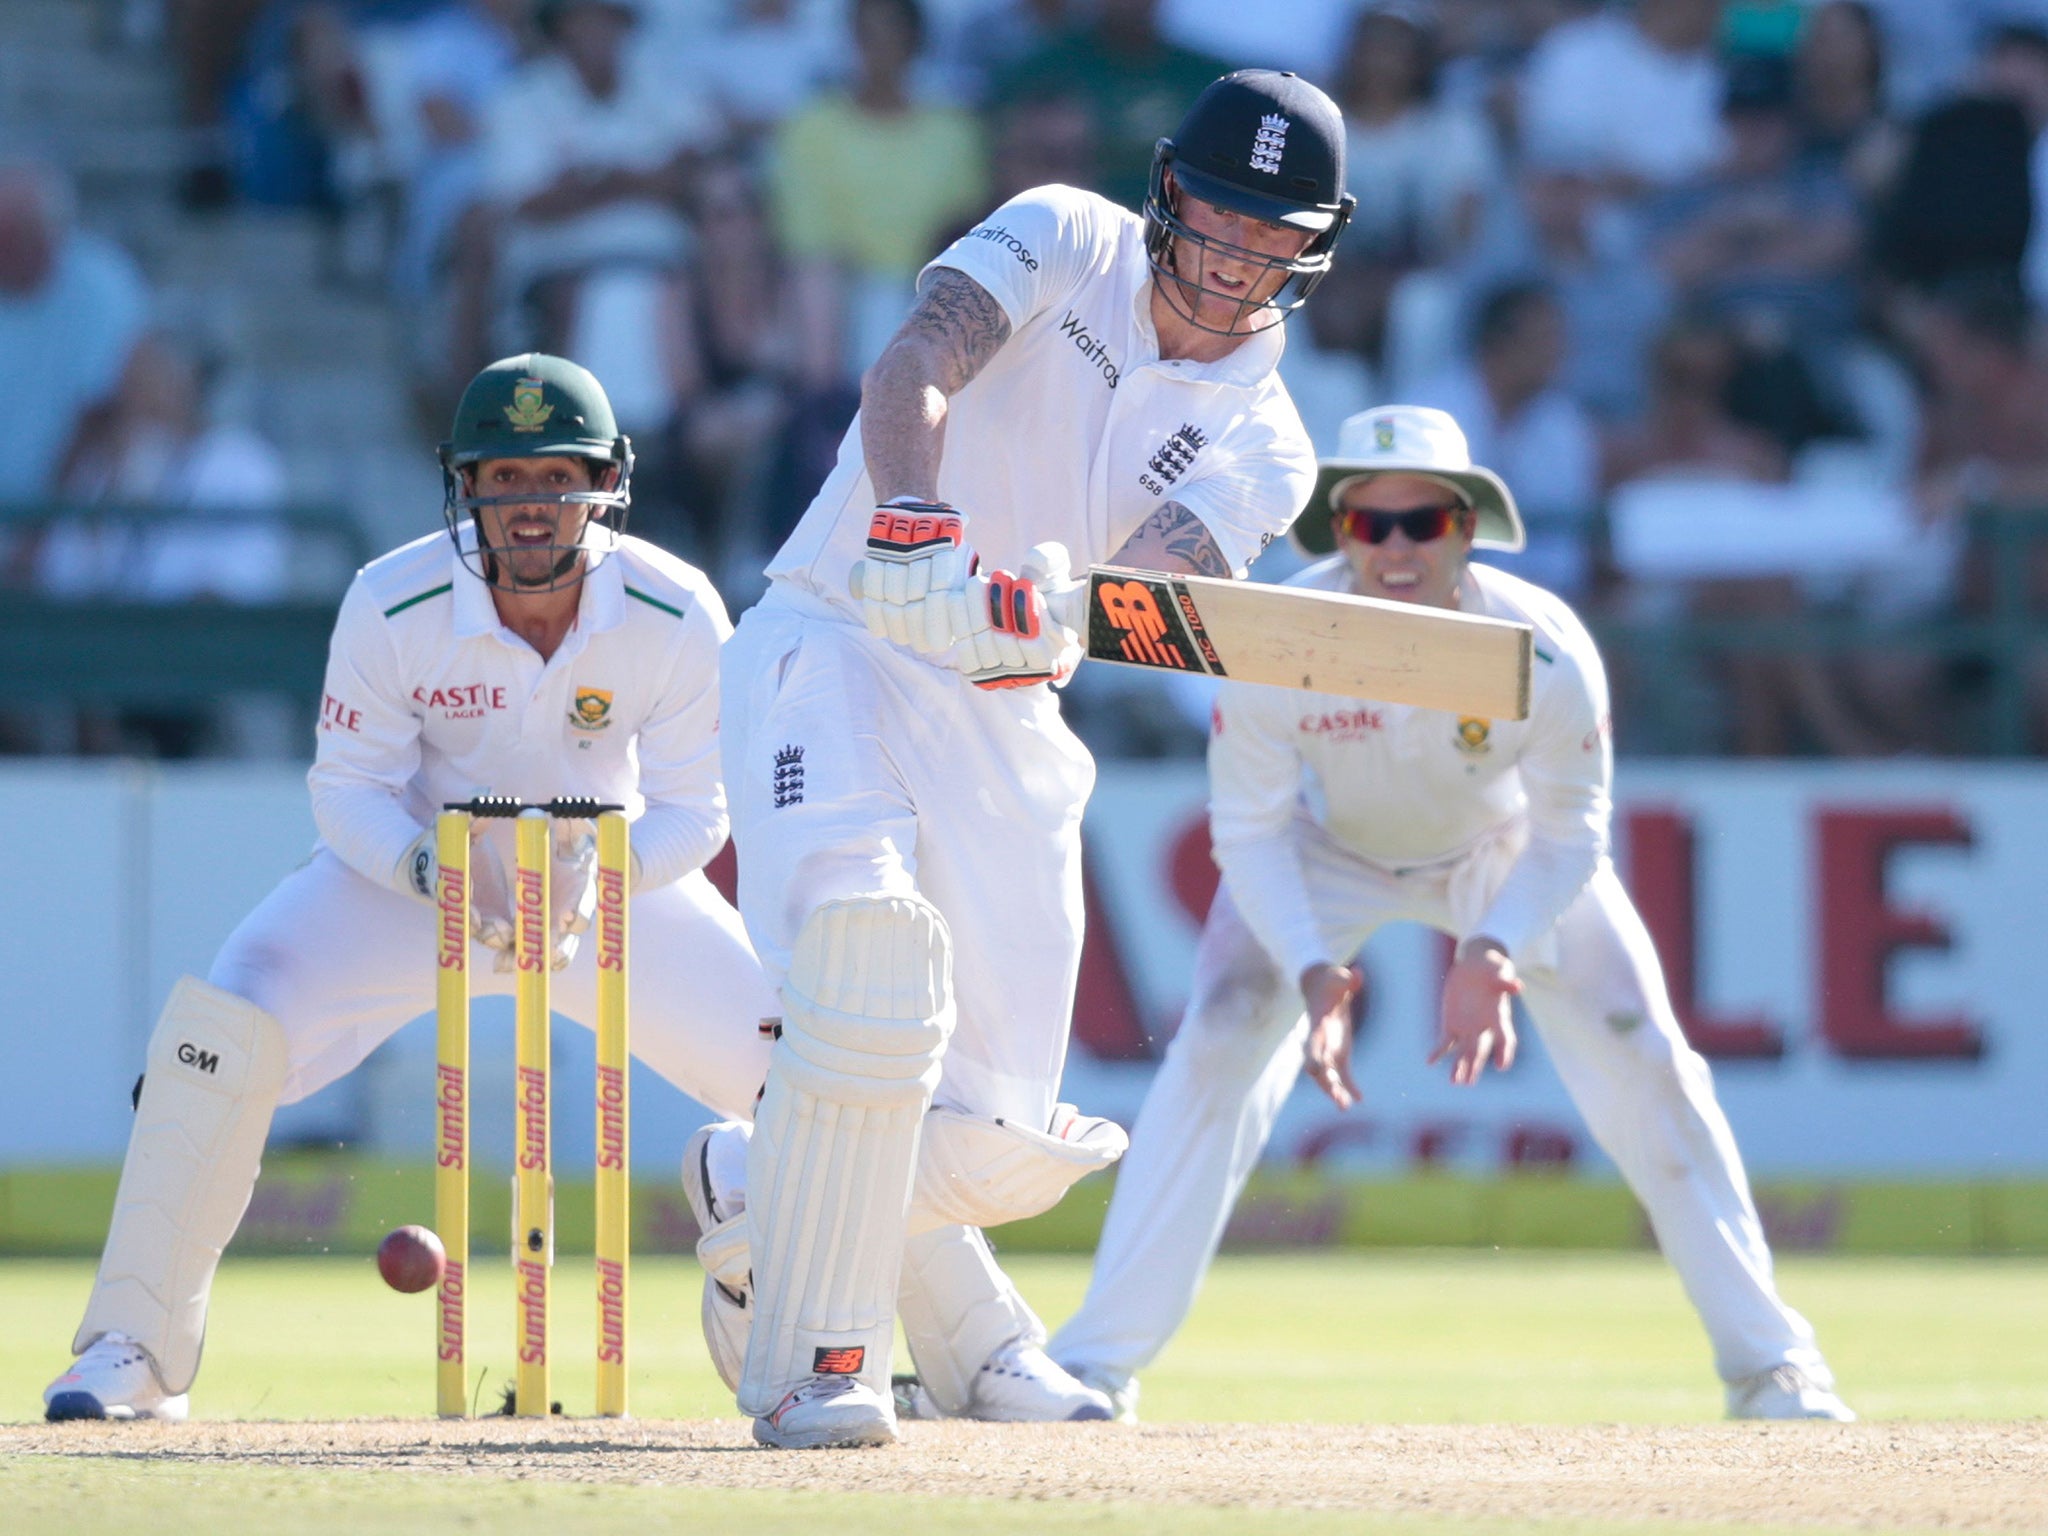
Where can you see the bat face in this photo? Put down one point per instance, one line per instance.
(1325, 642)
(1142, 619)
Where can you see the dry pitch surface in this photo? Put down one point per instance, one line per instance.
(1991, 1477)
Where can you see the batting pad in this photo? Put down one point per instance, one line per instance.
(866, 1012)
(215, 1066)
(982, 1173)
(958, 1310)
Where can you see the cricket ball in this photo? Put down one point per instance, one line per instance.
(411, 1259)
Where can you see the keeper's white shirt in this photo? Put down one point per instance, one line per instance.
(429, 698)
(1076, 430)
(1409, 789)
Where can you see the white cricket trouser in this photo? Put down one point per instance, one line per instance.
(1601, 1007)
(342, 963)
(855, 769)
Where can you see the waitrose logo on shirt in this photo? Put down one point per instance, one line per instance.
(1009, 242)
(1091, 347)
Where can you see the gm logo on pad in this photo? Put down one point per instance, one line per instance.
(193, 1056)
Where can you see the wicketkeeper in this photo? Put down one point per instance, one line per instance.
(534, 649)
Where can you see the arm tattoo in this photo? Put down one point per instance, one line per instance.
(963, 324)
(953, 331)
(1173, 539)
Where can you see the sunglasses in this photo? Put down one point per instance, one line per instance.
(1420, 524)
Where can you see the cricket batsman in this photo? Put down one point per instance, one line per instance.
(1492, 831)
(533, 650)
(1074, 385)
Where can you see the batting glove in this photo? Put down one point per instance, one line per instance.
(914, 573)
(1015, 639)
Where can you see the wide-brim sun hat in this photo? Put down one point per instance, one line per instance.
(1411, 440)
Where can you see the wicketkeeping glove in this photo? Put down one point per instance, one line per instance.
(1014, 639)
(490, 893)
(572, 887)
(913, 575)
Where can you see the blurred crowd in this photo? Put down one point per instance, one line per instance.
(1739, 295)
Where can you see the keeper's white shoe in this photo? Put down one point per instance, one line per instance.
(113, 1379)
(1021, 1384)
(1786, 1392)
(828, 1412)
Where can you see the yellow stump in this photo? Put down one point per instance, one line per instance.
(614, 872)
(451, 1110)
(533, 1193)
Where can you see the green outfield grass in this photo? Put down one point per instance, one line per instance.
(1384, 1337)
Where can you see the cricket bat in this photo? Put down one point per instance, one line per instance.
(1296, 637)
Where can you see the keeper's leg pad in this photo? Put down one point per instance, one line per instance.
(714, 1160)
(979, 1172)
(727, 1320)
(958, 1310)
(866, 1012)
(216, 1064)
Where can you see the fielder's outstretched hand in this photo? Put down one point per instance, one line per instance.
(1329, 991)
(1479, 1013)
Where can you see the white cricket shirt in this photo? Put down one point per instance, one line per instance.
(430, 699)
(1410, 789)
(1076, 430)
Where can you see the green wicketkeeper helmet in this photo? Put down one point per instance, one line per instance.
(530, 407)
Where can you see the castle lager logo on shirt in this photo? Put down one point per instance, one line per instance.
(1472, 734)
(1347, 724)
(1270, 143)
(529, 411)
(592, 710)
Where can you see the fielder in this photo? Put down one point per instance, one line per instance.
(905, 795)
(535, 650)
(1494, 832)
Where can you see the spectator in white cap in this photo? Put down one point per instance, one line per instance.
(1331, 819)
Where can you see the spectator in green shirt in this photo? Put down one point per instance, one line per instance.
(1134, 81)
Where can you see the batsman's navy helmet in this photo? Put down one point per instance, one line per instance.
(1264, 144)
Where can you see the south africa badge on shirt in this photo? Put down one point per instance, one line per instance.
(593, 709)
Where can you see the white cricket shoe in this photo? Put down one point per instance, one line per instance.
(113, 1379)
(1786, 1392)
(1021, 1384)
(1121, 1392)
(828, 1412)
